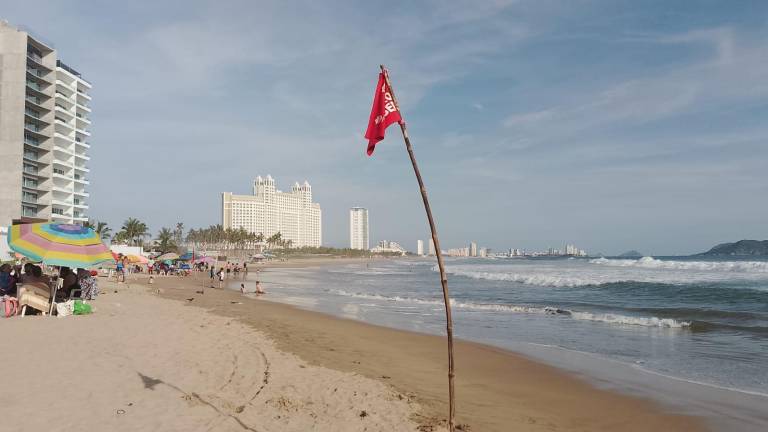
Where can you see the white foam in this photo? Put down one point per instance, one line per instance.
(631, 320)
(538, 279)
(576, 273)
(653, 263)
(547, 310)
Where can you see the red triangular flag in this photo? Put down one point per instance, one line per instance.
(383, 113)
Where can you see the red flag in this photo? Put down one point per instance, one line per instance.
(383, 113)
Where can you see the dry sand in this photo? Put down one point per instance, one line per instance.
(141, 363)
(223, 361)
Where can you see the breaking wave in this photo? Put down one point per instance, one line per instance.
(535, 279)
(653, 263)
(607, 318)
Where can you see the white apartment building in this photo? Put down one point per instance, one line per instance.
(420, 247)
(358, 228)
(431, 246)
(44, 136)
(269, 211)
(386, 246)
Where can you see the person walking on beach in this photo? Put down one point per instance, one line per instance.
(212, 274)
(221, 277)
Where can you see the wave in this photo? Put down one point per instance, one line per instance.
(608, 318)
(535, 279)
(653, 263)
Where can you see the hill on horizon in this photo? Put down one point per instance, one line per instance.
(739, 248)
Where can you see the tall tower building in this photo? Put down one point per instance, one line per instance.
(44, 136)
(473, 249)
(431, 247)
(269, 211)
(358, 228)
(420, 247)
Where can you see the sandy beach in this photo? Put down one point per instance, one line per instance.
(167, 357)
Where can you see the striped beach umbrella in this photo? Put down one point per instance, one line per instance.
(58, 244)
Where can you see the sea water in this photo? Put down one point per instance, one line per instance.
(688, 321)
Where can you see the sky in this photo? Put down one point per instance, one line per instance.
(612, 125)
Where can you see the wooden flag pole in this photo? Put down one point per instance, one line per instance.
(441, 266)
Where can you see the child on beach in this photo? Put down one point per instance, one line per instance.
(221, 278)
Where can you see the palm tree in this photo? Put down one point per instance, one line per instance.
(99, 228)
(135, 231)
(178, 233)
(165, 241)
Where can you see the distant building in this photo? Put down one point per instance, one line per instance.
(44, 136)
(358, 228)
(431, 247)
(420, 247)
(269, 211)
(473, 249)
(386, 246)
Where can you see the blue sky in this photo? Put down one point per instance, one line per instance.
(613, 125)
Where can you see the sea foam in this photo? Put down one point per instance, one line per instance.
(653, 263)
(546, 310)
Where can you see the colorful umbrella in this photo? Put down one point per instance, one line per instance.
(205, 260)
(168, 256)
(137, 259)
(58, 244)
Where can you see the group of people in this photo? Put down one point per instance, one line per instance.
(12, 278)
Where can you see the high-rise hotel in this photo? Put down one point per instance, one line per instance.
(44, 137)
(358, 228)
(269, 211)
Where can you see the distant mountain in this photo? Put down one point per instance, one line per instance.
(739, 248)
(631, 254)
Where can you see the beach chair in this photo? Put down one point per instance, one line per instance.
(37, 295)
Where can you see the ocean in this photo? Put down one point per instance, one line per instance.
(690, 332)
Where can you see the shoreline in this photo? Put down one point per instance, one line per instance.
(497, 389)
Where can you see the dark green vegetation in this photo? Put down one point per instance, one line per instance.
(739, 248)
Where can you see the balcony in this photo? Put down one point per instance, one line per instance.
(32, 118)
(82, 168)
(63, 110)
(36, 60)
(29, 199)
(82, 131)
(63, 189)
(38, 77)
(28, 212)
(58, 202)
(82, 156)
(81, 193)
(65, 88)
(63, 127)
(80, 142)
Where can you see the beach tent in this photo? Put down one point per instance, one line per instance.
(186, 256)
(168, 256)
